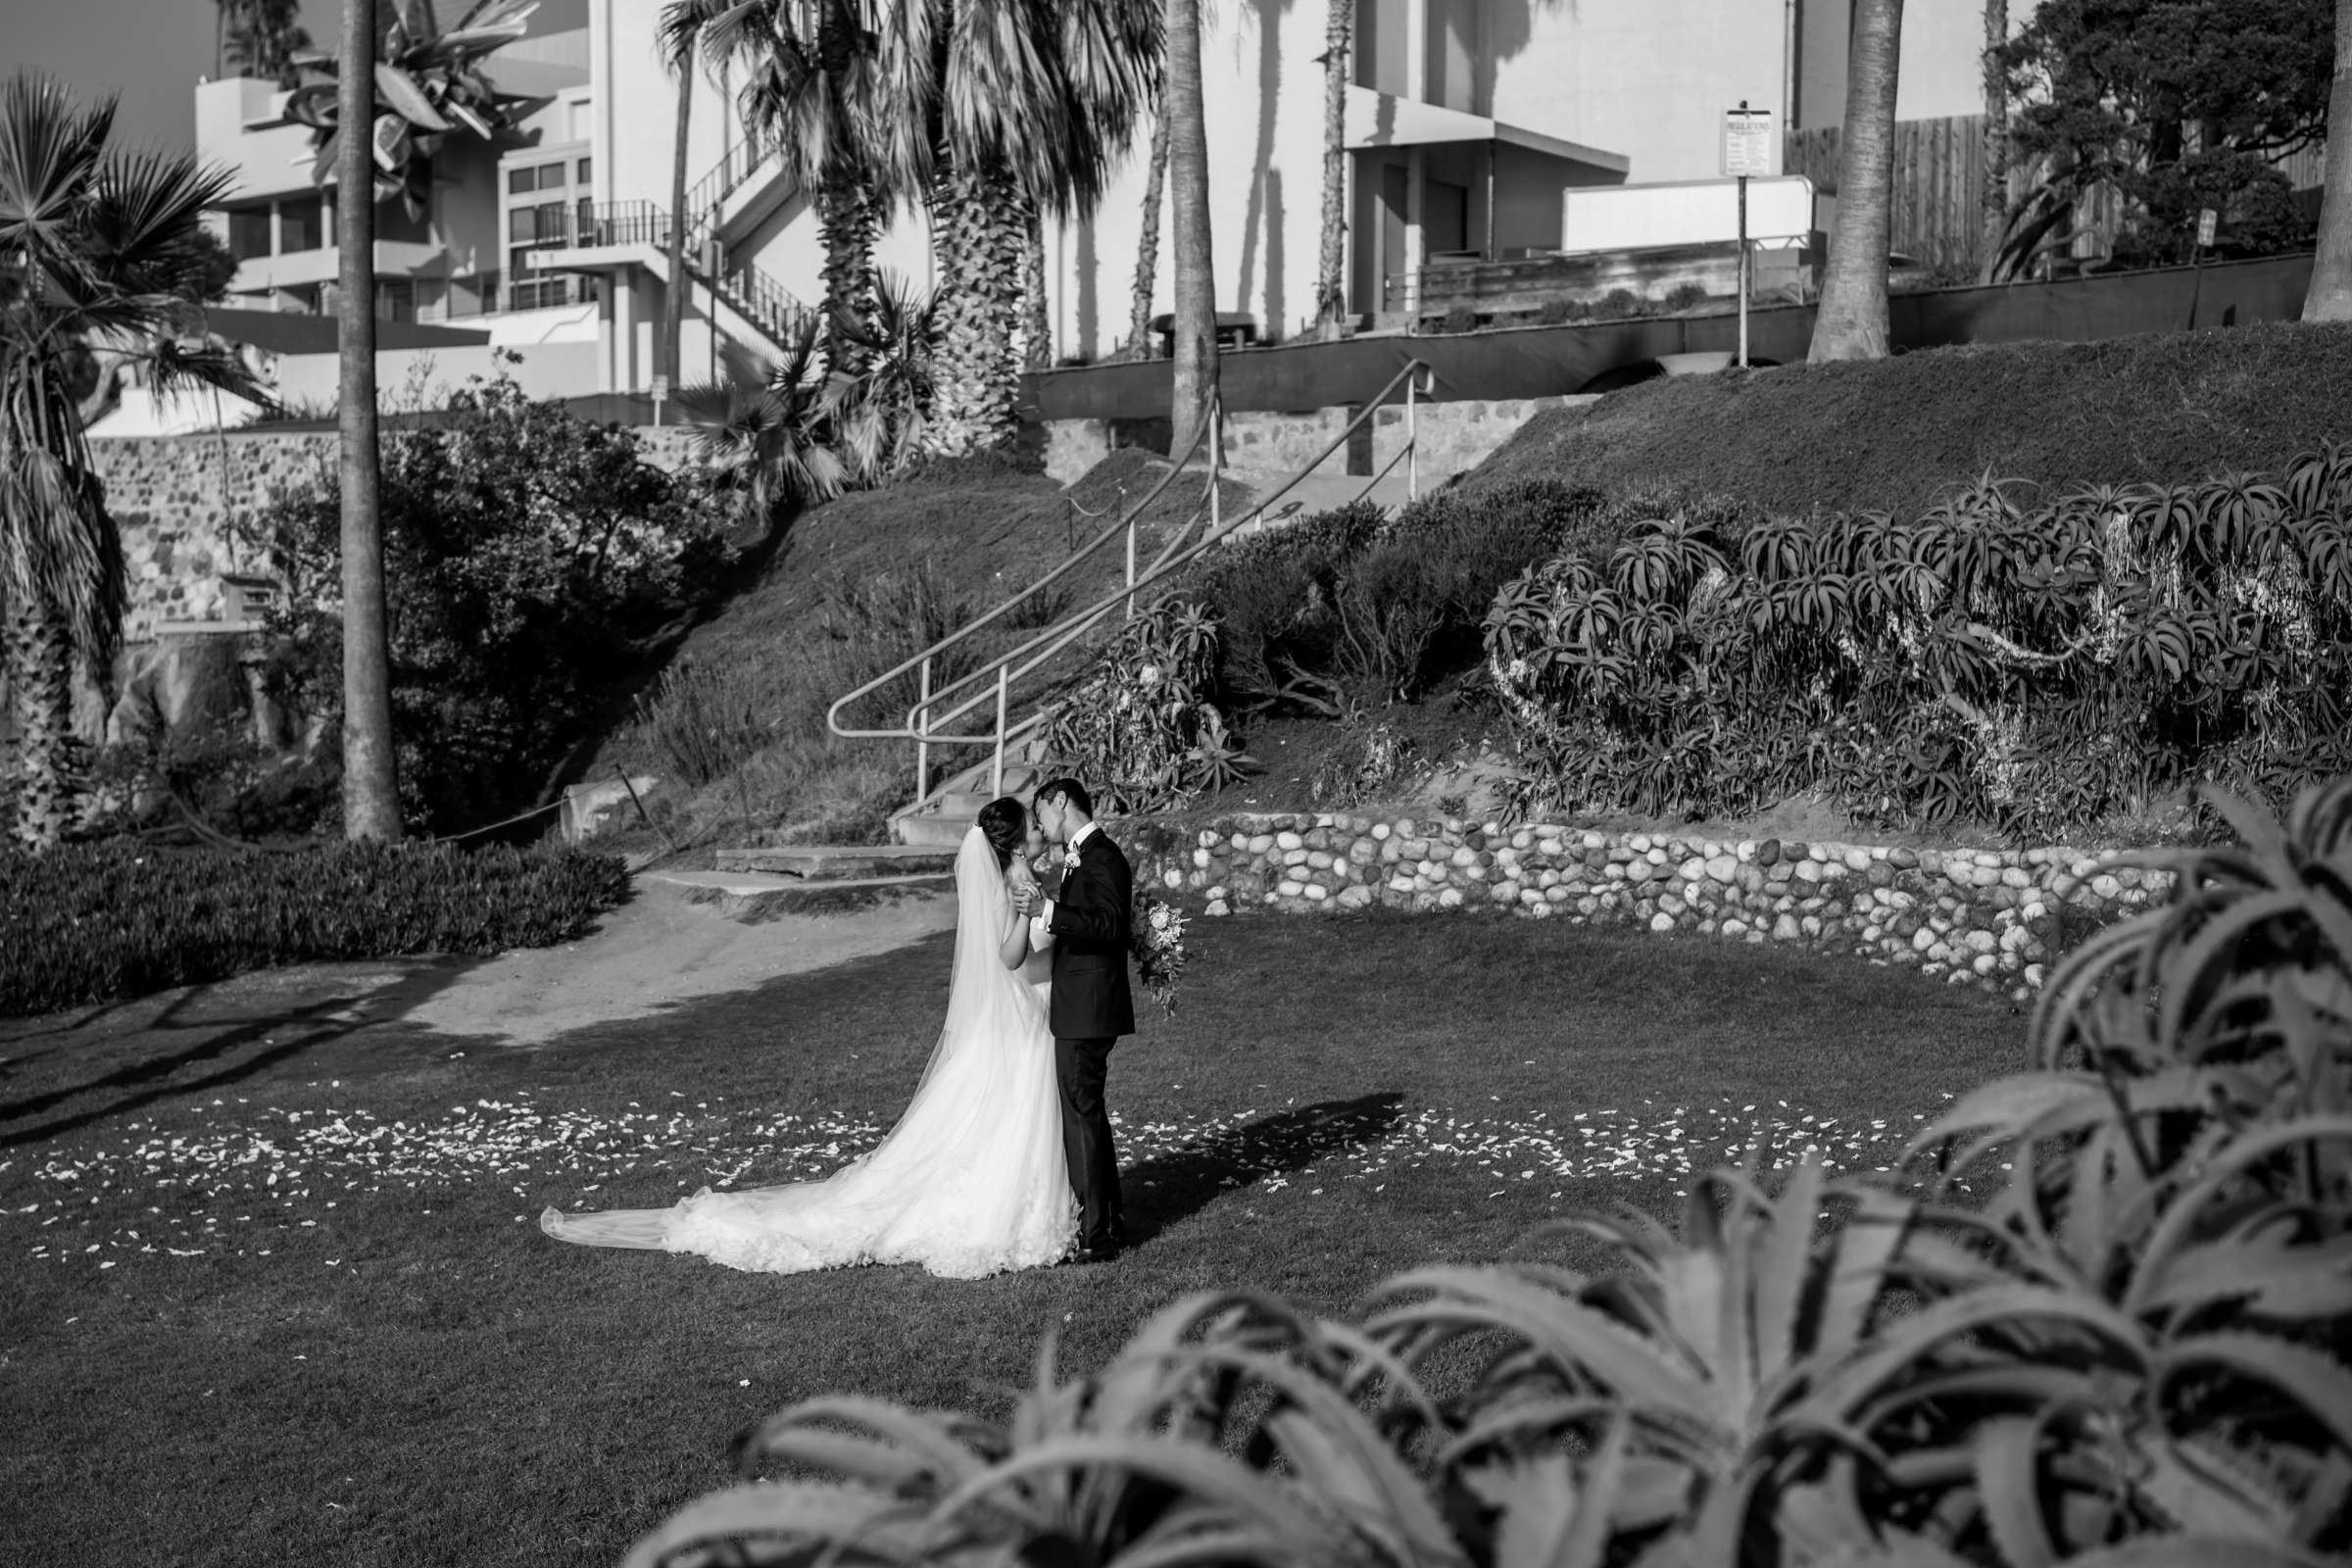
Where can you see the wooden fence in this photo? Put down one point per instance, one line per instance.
(1938, 216)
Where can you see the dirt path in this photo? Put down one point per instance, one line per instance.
(660, 951)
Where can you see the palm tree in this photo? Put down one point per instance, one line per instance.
(261, 38)
(1851, 323)
(761, 423)
(681, 32)
(1194, 375)
(95, 248)
(819, 93)
(2330, 296)
(1996, 137)
(371, 781)
(1338, 41)
(1010, 108)
(1147, 251)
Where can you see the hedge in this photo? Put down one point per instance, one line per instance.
(84, 923)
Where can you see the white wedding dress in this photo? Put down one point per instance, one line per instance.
(972, 1180)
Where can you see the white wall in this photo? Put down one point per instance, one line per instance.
(408, 378)
(1645, 78)
(1941, 72)
(1265, 150)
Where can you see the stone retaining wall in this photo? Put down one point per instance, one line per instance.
(1989, 917)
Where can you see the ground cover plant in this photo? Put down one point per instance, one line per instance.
(91, 922)
(1890, 435)
(2123, 1350)
(318, 1325)
(2038, 668)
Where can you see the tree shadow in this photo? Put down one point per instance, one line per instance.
(1168, 1188)
(306, 1026)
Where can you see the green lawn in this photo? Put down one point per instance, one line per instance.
(273, 1293)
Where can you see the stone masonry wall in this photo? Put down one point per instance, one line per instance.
(189, 508)
(1987, 917)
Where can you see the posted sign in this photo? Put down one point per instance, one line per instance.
(2207, 221)
(1747, 142)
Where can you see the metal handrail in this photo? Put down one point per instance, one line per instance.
(735, 166)
(923, 726)
(923, 722)
(918, 661)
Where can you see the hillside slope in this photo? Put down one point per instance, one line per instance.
(735, 732)
(1892, 434)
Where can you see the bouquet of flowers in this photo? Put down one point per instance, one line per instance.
(1157, 938)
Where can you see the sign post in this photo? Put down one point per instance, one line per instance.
(1746, 152)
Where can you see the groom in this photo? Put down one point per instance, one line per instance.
(1092, 1005)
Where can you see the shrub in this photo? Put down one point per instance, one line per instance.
(87, 923)
(1686, 297)
(1377, 757)
(1141, 722)
(532, 560)
(1272, 594)
(1458, 319)
(2041, 670)
(1558, 312)
(1618, 305)
(2126, 1353)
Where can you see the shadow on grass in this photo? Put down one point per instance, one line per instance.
(1168, 1188)
(305, 1025)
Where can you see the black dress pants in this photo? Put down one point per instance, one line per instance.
(1081, 1065)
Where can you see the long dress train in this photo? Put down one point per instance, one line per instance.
(972, 1180)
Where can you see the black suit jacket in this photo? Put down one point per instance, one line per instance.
(1092, 926)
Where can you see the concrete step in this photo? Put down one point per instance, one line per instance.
(756, 896)
(833, 862)
(931, 828)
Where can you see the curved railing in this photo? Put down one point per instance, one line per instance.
(925, 722)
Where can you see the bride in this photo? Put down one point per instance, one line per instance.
(973, 1180)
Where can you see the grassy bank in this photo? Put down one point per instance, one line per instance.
(1892, 434)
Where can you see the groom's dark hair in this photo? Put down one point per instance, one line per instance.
(1070, 790)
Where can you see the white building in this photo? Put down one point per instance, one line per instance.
(1467, 122)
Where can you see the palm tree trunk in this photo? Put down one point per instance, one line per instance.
(1036, 314)
(371, 790)
(2330, 296)
(1146, 253)
(848, 221)
(674, 297)
(1851, 323)
(1996, 139)
(1195, 369)
(39, 661)
(1339, 39)
(980, 221)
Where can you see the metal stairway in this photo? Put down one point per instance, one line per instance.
(1032, 675)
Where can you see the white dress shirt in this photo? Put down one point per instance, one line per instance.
(1045, 913)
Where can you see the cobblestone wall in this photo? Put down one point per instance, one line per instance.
(1989, 917)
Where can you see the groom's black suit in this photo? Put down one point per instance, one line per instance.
(1091, 1006)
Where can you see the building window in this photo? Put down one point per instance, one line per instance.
(522, 225)
(299, 226)
(519, 263)
(248, 232)
(521, 181)
(580, 171)
(551, 176)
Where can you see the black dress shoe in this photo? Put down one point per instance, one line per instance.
(1090, 1254)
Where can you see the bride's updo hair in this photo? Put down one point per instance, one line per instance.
(1004, 823)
